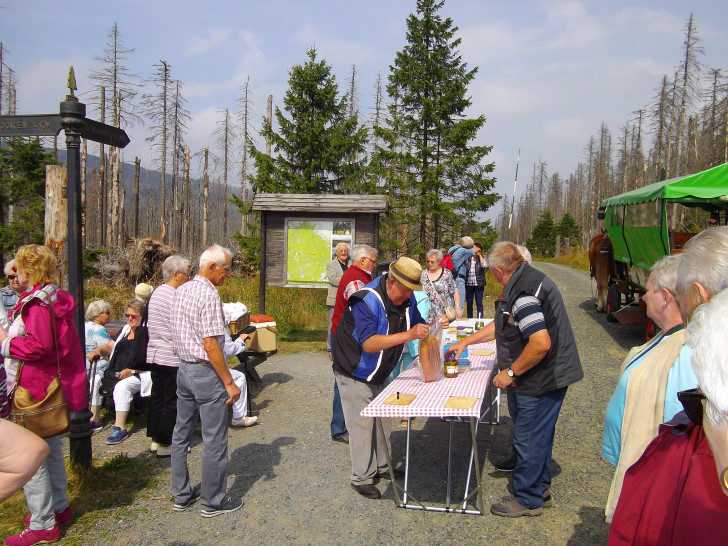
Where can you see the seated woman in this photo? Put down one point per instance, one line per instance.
(130, 380)
(240, 419)
(652, 374)
(677, 492)
(98, 347)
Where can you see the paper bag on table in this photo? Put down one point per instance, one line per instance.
(431, 353)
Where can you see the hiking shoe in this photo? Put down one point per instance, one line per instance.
(30, 537)
(241, 422)
(547, 500)
(117, 436)
(506, 465)
(96, 427)
(194, 497)
(64, 517)
(229, 504)
(510, 508)
(342, 439)
(367, 490)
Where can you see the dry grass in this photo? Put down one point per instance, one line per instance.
(576, 260)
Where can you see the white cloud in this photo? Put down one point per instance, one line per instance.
(214, 39)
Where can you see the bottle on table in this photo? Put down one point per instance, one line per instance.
(451, 365)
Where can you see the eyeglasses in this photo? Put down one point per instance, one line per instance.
(11, 277)
(373, 261)
(131, 316)
(227, 269)
(691, 401)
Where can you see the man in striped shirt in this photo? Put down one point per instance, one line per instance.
(205, 386)
(538, 359)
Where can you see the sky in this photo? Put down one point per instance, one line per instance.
(549, 72)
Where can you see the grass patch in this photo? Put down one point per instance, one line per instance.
(108, 485)
(576, 260)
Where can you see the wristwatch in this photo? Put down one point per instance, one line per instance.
(511, 373)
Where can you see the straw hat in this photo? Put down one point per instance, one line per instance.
(407, 271)
(143, 290)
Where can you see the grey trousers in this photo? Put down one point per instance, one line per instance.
(367, 447)
(200, 392)
(329, 337)
(45, 492)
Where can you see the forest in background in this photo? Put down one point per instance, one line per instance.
(681, 131)
(416, 146)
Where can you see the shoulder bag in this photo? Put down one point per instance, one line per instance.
(449, 309)
(49, 416)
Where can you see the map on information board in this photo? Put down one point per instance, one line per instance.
(310, 245)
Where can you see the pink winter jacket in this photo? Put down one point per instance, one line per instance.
(35, 348)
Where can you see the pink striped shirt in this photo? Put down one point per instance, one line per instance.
(196, 314)
(159, 322)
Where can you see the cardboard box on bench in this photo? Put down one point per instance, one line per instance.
(263, 340)
(239, 324)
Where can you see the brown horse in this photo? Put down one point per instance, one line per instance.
(600, 255)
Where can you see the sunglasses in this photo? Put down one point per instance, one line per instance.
(132, 316)
(691, 401)
(11, 277)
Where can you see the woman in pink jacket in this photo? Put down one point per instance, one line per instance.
(43, 337)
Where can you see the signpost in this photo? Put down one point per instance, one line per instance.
(72, 119)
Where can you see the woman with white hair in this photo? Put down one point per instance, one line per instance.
(652, 375)
(439, 285)
(98, 347)
(9, 294)
(163, 363)
(677, 493)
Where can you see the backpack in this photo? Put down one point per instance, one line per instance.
(447, 261)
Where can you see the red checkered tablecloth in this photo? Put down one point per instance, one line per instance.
(431, 397)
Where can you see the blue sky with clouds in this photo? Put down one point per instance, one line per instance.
(550, 72)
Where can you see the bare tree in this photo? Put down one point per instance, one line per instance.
(245, 112)
(226, 134)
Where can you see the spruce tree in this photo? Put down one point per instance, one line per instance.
(319, 146)
(543, 239)
(426, 141)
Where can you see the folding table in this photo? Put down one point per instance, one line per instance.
(430, 401)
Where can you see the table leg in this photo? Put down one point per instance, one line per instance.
(474, 438)
(449, 465)
(389, 462)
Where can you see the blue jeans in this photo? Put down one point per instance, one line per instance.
(338, 425)
(534, 424)
(460, 284)
(477, 292)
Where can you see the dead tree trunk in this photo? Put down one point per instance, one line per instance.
(204, 204)
(56, 214)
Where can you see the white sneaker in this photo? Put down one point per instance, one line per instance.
(153, 448)
(240, 422)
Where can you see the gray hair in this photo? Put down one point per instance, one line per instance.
(706, 334)
(342, 244)
(664, 273)
(216, 254)
(705, 260)
(361, 251)
(504, 255)
(137, 305)
(436, 251)
(174, 264)
(466, 242)
(95, 308)
(9, 267)
(525, 253)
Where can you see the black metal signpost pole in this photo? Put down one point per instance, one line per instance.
(73, 120)
(73, 113)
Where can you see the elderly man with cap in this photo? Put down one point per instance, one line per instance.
(378, 320)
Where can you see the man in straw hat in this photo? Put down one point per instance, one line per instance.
(378, 320)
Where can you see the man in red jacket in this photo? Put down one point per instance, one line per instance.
(359, 274)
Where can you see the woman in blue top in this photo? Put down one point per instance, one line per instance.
(652, 374)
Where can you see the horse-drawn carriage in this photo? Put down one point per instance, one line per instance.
(638, 233)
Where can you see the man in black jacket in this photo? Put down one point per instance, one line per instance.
(538, 359)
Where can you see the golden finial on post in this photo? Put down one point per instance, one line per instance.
(71, 84)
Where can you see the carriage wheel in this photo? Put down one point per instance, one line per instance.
(614, 300)
(651, 330)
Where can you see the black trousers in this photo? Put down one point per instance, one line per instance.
(162, 404)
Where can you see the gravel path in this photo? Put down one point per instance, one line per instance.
(295, 480)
